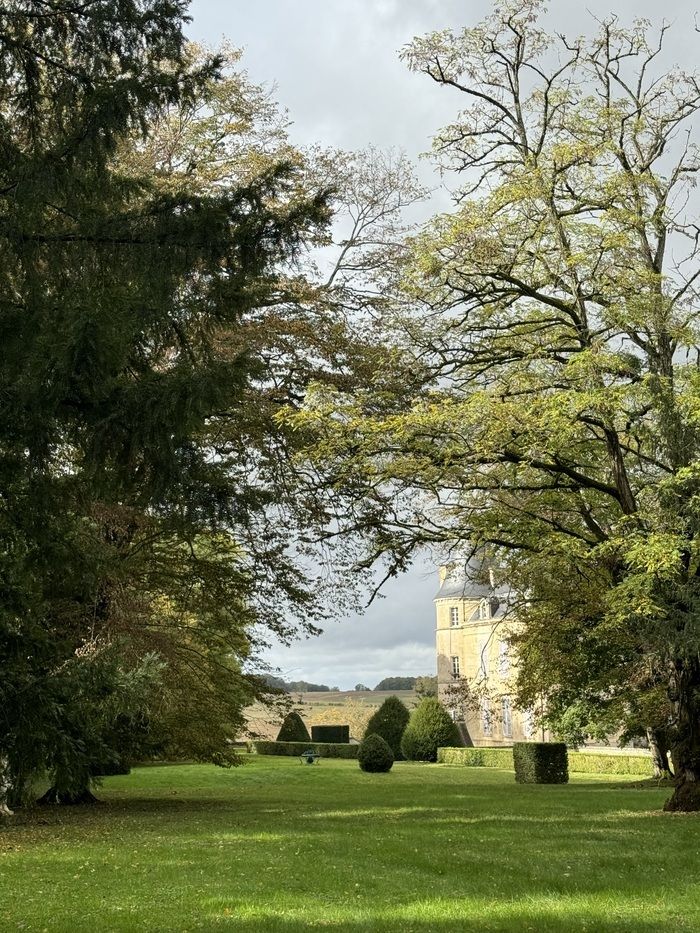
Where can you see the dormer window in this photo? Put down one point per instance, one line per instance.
(484, 609)
(454, 615)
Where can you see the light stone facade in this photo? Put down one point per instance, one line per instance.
(473, 625)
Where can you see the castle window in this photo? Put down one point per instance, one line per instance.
(484, 609)
(507, 717)
(486, 726)
(454, 615)
(455, 666)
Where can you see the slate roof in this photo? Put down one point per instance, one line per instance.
(472, 581)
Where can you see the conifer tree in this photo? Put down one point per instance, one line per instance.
(117, 529)
(389, 722)
(429, 728)
(293, 729)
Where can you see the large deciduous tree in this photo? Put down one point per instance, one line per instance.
(557, 310)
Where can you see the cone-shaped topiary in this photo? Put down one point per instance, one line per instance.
(429, 728)
(293, 729)
(389, 721)
(374, 754)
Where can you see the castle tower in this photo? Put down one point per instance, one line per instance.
(472, 631)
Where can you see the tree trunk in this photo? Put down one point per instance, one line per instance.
(5, 786)
(67, 798)
(658, 746)
(684, 693)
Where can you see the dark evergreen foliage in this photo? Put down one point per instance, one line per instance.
(540, 762)
(375, 754)
(338, 734)
(124, 396)
(293, 729)
(429, 728)
(390, 721)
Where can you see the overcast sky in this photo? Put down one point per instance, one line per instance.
(334, 66)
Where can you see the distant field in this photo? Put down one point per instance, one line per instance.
(330, 707)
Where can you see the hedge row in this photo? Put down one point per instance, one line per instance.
(600, 763)
(324, 749)
(477, 757)
(586, 762)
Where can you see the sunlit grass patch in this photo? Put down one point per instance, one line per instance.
(274, 846)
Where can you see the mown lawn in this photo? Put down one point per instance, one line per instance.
(279, 846)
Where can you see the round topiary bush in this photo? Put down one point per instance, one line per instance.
(389, 721)
(293, 729)
(374, 754)
(429, 728)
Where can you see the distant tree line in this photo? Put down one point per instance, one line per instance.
(424, 686)
(297, 686)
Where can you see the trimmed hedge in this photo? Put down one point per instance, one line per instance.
(540, 762)
(600, 763)
(295, 749)
(375, 754)
(334, 734)
(583, 762)
(477, 757)
(293, 729)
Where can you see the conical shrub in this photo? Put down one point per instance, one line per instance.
(374, 754)
(429, 727)
(293, 729)
(389, 721)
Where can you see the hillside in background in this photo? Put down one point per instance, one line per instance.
(316, 708)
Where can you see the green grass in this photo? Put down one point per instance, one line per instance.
(280, 846)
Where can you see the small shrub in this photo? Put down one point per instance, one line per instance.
(293, 729)
(375, 754)
(540, 763)
(429, 727)
(337, 734)
(390, 721)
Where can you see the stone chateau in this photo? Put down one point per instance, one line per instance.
(473, 623)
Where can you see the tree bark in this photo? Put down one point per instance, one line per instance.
(5, 786)
(684, 693)
(658, 746)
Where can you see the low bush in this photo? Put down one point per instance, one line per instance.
(390, 721)
(293, 729)
(375, 754)
(324, 749)
(540, 762)
(602, 763)
(337, 734)
(477, 757)
(429, 727)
